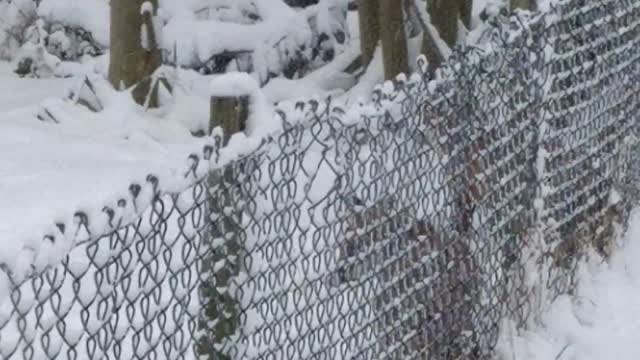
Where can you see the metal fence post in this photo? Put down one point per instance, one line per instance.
(221, 309)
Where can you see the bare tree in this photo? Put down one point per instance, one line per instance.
(446, 19)
(384, 20)
(466, 7)
(369, 28)
(131, 62)
(444, 16)
(394, 40)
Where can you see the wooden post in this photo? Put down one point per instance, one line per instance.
(223, 259)
(230, 113)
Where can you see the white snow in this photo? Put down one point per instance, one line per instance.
(327, 80)
(235, 84)
(14, 16)
(77, 160)
(81, 163)
(92, 15)
(602, 321)
(18, 93)
(147, 7)
(194, 41)
(373, 76)
(144, 37)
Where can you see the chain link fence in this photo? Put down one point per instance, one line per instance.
(408, 227)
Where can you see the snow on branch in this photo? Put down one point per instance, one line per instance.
(265, 37)
(233, 85)
(269, 38)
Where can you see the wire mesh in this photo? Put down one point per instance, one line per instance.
(408, 227)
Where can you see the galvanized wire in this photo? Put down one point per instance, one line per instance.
(408, 227)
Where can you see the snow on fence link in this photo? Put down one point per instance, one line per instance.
(405, 228)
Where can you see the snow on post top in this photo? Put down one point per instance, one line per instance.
(262, 120)
(233, 84)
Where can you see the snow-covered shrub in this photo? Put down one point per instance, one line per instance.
(92, 16)
(39, 34)
(33, 57)
(69, 43)
(260, 37)
(47, 44)
(267, 37)
(72, 29)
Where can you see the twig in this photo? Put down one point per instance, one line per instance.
(562, 351)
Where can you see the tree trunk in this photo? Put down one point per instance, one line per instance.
(444, 16)
(466, 7)
(369, 29)
(130, 63)
(413, 21)
(394, 40)
(300, 3)
(430, 39)
(432, 52)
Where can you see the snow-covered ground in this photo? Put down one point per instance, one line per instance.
(81, 161)
(16, 93)
(601, 322)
